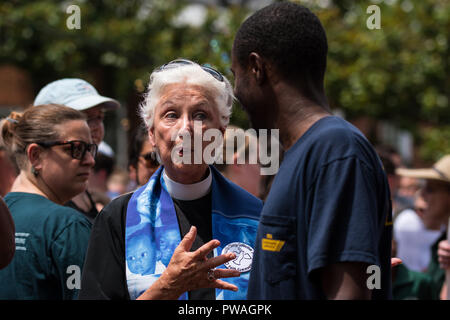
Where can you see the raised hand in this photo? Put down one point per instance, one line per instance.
(191, 270)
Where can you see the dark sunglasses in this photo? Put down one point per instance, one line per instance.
(150, 159)
(78, 148)
(179, 62)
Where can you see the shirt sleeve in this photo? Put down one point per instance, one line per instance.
(344, 215)
(68, 253)
(104, 276)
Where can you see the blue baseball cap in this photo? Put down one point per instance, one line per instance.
(74, 93)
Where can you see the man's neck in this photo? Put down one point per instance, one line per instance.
(296, 115)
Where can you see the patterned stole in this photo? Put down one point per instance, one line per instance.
(152, 232)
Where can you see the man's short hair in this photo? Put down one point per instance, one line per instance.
(290, 36)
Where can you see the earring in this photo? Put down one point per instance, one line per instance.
(34, 171)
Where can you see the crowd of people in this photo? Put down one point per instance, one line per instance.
(164, 229)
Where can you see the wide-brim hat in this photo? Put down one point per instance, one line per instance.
(439, 171)
(74, 93)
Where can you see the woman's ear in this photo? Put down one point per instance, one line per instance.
(223, 129)
(151, 136)
(34, 154)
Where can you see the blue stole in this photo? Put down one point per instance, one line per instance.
(152, 232)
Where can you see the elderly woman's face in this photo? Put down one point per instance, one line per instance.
(179, 106)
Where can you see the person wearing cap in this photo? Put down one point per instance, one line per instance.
(80, 95)
(436, 193)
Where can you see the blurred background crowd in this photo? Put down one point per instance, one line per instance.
(392, 83)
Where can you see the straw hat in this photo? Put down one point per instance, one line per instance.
(439, 171)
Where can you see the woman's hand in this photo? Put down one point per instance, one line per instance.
(444, 254)
(395, 262)
(191, 270)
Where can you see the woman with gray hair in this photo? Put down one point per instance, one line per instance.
(177, 235)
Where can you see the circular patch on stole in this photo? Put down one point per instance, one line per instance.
(244, 256)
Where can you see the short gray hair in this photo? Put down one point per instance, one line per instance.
(190, 74)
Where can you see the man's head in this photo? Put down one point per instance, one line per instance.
(79, 95)
(436, 191)
(284, 41)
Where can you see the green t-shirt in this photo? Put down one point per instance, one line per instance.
(412, 285)
(51, 242)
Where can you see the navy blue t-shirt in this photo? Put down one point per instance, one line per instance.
(329, 203)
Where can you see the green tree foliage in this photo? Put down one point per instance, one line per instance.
(399, 72)
(118, 45)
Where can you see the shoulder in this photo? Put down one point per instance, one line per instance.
(114, 214)
(116, 206)
(44, 209)
(330, 139)
(340, 141)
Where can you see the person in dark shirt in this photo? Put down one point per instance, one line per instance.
(165, 240)
(80, 95)
(7, 246)
(142, 162)
(54, 151)
(327, 217)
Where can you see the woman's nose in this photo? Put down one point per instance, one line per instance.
(186, 125)
(88, 159)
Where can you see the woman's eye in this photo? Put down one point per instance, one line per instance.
(200, 116)
(171, 115)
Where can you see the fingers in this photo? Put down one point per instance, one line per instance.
(219, 284)
(203, 251)
(444, 254)
(188, 240)
(219, 260)
(395, 262)
(444, 246)
(226, 273)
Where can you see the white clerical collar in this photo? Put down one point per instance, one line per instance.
(188, 192)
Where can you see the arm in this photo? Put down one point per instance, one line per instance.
(347, 232)
(345, 281)
(7, 240)
(68, 250)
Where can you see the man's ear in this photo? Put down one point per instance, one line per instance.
(257, 67)
(34, 154)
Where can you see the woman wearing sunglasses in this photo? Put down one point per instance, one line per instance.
(142, 162)
(53, 148)
(188, 226)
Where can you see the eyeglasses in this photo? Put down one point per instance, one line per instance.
(78, 148)
(179, 62)
(150, 159)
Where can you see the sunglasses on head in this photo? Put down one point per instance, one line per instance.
(150, 159)
(180, 62)
(78, 148)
